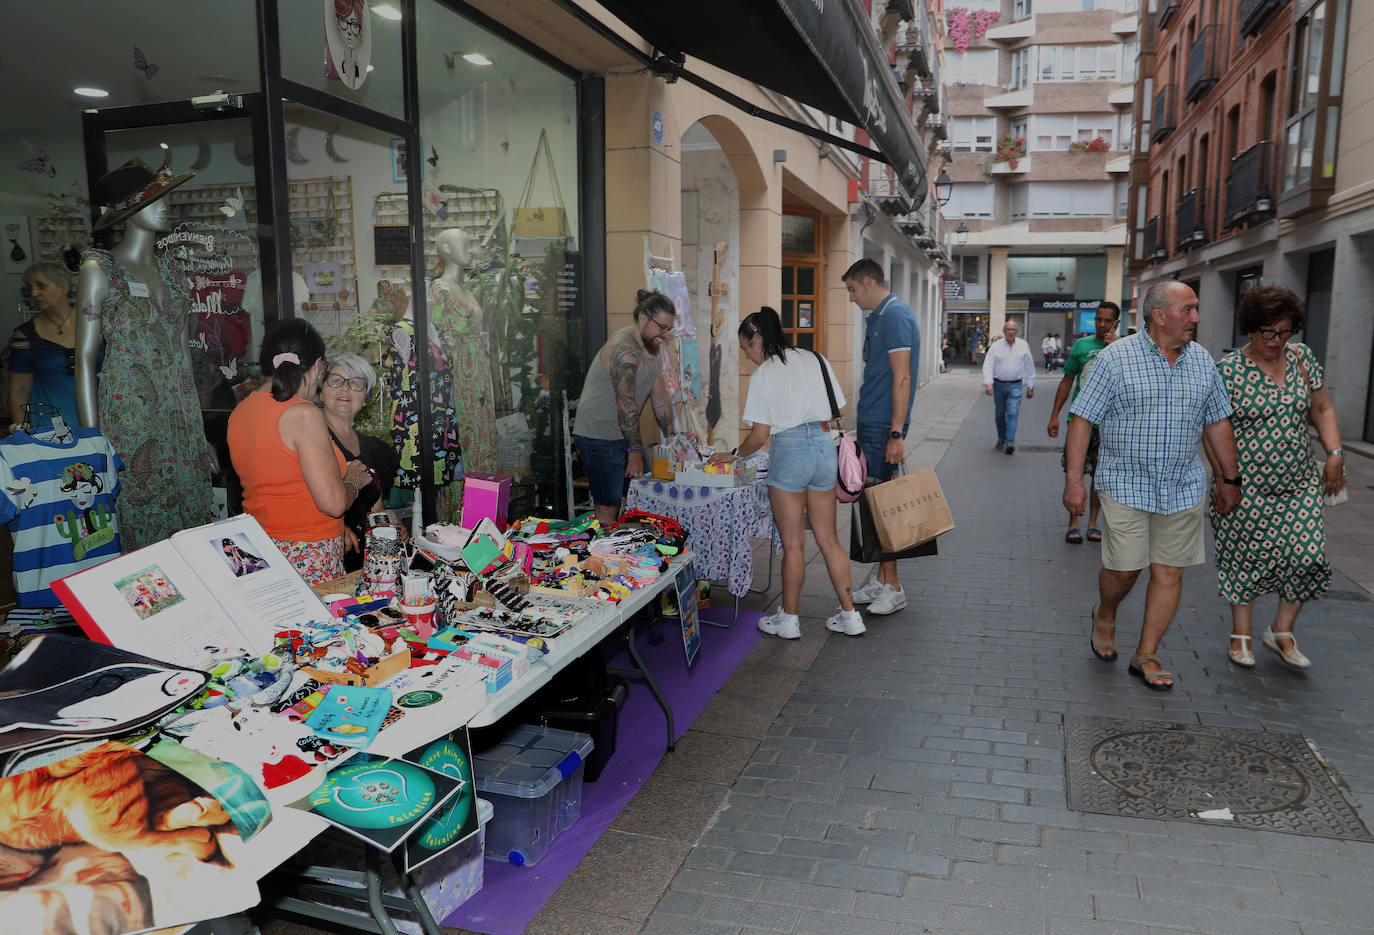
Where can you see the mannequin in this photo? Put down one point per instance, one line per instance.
(463, 326)
(144, 401)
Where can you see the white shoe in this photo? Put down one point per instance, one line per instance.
(870, 590)
(891, 601)
(848, 622)
(779, 624)
(1293, 656)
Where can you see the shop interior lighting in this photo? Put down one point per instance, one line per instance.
(91, 92)
(476, 58)
(387, 11)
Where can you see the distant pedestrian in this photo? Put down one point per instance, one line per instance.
(892, 346)
(1076, 368)
(1153, 396)
(1275, 540)
(1047, 351)
(1008, 372)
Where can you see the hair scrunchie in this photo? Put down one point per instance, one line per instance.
(287, 358)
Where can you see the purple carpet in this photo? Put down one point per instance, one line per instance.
(511, 896)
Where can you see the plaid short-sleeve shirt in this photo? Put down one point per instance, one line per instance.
(1150, 417)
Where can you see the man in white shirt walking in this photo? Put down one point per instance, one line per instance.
(1008, 370)
(1047, 349)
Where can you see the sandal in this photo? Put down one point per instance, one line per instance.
(1293, 657)
(1155, 681)
(1074, 536)
(1242, 657)
(1103, 648)
(1094, 534)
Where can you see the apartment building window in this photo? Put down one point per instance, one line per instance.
(1020, 68)
(1075, 62)
(974, 134)
(969, 200)
(1071, 199)
(1020, 9)
(1316, 75)
(976, 66)
(970, 267)
(1130, 51)
(1019, 195)
(1052, 132)
(1124, 131)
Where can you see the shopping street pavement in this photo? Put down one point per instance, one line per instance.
(913, 781)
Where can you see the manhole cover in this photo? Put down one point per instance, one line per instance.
(1268, 780)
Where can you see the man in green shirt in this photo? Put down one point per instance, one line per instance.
(1075, 371)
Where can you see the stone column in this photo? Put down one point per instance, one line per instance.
(997, 290)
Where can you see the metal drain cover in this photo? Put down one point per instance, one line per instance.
(1270, 781)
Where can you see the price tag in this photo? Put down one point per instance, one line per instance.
(139, 289)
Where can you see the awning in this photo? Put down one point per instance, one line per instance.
(820, 52)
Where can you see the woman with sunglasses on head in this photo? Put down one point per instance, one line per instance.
(348, 384)
(788, 403)
(295, 483)
(1275, 540)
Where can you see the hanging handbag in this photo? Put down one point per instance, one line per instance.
(547, 221)
(851, 466)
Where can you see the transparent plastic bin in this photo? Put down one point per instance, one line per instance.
(533, 779)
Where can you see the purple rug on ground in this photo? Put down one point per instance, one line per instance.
(511, 896)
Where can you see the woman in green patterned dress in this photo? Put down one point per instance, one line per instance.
(1275, 540)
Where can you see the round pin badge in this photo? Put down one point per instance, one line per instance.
(418, 699)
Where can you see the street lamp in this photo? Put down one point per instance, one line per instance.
(962, 233)
(944, 187)
(1060, 280)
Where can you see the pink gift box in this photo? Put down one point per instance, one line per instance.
(485, 496)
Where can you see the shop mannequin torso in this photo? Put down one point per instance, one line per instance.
(144, 399)
(462, 325)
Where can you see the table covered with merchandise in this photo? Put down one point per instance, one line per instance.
(722, 523)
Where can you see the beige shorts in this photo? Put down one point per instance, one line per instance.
(1133, 539)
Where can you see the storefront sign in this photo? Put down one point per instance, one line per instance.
(687, 606)
(656, 126)
(954, 288)
(391, 245)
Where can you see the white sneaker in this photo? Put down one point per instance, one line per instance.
(870, 590)
(848, 622)
(891, 601)
(781, 625)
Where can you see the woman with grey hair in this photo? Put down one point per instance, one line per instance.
(41, 351)
(348, 383)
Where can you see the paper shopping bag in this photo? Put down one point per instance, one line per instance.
(863, 539)
(909, 510)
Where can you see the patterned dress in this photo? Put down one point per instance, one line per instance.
(400, 361)
(150, 412)
(1275, 540)
(459, 320)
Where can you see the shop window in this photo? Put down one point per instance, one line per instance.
(802, 308)
(353, 51)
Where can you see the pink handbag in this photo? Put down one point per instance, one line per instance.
(852, 466)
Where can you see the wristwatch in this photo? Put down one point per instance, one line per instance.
(1336, 451)
(1233, 481)
(895, 434)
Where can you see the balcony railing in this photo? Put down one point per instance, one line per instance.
(1165, 120)
(888, 193)
(1204, 62)
(1191, 221)
(1154, 246)
(1255, 13)
(1167, 11)
(1249, 187)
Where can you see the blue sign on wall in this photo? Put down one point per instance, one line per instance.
(657, 127)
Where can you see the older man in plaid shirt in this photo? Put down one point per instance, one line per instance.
(1153, 396)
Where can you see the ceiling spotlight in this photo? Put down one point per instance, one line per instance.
(387, 11)
(91, 92)
(476, 58)
(372, 68)
(163, 146)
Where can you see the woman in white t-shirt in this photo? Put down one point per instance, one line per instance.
(788, 401)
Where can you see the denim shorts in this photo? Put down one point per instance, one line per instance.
(605, 460)
(802, 458)
(873, 438)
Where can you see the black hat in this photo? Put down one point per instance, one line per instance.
(131, 188)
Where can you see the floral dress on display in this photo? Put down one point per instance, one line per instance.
(400, 360)
(459, 320)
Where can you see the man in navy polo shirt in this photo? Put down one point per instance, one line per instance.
(892, 346)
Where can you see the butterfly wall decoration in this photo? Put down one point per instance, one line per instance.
(231, 372)
(233, 204)
(39, 162)
(433, 158)
(142, 64)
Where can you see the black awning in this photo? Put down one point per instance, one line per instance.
(820, 52)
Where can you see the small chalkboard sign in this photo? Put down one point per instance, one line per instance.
(391, 244)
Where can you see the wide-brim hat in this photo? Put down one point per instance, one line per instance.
(131, 188)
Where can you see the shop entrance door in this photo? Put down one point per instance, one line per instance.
(216, 258)
(801, 304)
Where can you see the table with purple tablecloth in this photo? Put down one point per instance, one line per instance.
(721, 522)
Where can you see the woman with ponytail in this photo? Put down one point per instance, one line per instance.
(789, 402)
(295, 483)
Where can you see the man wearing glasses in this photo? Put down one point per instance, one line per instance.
(624, 373)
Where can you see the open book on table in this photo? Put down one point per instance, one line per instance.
(222, 585)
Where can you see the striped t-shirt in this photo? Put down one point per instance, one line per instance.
(59, 502)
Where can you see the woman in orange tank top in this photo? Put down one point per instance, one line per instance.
(294, 481)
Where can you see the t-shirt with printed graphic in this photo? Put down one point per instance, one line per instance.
(1080, 361)
(58, 497)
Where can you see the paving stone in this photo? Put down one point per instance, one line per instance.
(865, 879)
(814, 922)
(753, 914)
(964, 919)
(773, 865)
(984, 790)
(924, 864)
(908, 909)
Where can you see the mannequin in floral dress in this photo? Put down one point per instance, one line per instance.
(144, 400)
(460, 321)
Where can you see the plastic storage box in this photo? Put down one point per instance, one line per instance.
(533, 779)
(594, 715)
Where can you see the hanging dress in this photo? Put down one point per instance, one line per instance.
(150, 412)
(459, 319)
(400, 359)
